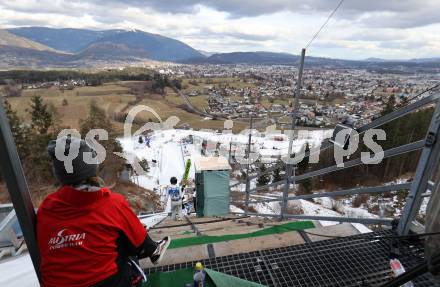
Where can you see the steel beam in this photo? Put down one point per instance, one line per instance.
(383, 221)
(324, 146)
(248, 153)
(355, 162)
(291, 168)
(18, 189)
(6, 208)
(354, 191)
(376, 123)
(399, 113)
(424, 172)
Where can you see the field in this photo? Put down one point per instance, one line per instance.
(200, 102)
(119, 97)
(200, 84)
(73, 105)
(114, 98)
(174, 105)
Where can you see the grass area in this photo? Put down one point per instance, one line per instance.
(201, 83)
(111, 97)
(174, 97)
(199, 102)
(166, 109)
(105, 89)
(265, 102)
(338, 101)
(206, 239)
(115, 98)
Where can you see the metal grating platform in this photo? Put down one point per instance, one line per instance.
(350, 261)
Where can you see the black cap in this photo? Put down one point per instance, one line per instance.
(81, 170)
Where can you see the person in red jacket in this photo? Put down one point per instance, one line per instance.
(86, 233)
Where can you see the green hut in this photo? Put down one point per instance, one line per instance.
(212, 186)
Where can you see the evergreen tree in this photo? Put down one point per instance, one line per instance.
(264, 178)
(31, 142)
(390, 106)
(303, 165)
(40, 115)
(97, 119)
(177, 83)
(277, 175)
(38, 164)
(19, 131)
(305, 186)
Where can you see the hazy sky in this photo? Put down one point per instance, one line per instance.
(359, 29)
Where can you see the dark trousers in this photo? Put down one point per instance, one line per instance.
(195, 203)
(128, 275)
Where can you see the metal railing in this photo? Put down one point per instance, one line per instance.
(13, 174)
(430, 156)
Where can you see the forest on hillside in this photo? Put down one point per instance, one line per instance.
(410, 128)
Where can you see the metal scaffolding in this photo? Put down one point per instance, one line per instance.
(18, 189)
(430, 156)
(353, 261)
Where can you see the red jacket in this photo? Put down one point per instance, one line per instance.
(77, 232)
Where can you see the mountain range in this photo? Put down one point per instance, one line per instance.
(49, 47)
(10, 39)
(42, 47)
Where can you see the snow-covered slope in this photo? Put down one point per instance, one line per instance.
(170, 151)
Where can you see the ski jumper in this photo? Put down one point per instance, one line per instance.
(176, 201)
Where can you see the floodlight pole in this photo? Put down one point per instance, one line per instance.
(290, 168)
(248, 152)
(13, 174)
(230, 152)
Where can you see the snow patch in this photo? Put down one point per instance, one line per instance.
(361, 228)
(234, 208)
(18, 271)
